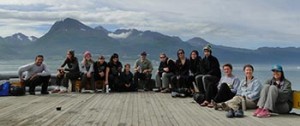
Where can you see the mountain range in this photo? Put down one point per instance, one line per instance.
(129, 43)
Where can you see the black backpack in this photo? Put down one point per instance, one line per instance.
(199, 98)
(17, 90)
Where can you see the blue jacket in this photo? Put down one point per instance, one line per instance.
(251, 91)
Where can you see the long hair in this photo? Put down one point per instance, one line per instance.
(115, 55)
(179, 50)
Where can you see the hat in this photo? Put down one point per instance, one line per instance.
(86, 53)
(207, 47)
(144, 54)
(277, 68)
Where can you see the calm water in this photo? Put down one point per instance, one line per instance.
(261, 71)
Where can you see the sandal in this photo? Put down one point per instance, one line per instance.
(205, 103)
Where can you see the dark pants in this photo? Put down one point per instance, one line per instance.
(114, 82)
(205, 81)
(85, 79)
(181, 82)
(143, 77)
(224, 93)
(123, 88)
(65, 77)
(39, 80)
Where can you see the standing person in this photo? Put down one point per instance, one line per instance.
(37, 74)
(100, 71)
(212, 73)
(87, 70)
(143, 71)
(127, 80)
(165, 71)
(180, 80)
(226, 89)
(276, 95)
(113, 71)
(248, 92)
(196, 68)
(72, 72)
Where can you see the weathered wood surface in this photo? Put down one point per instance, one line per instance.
(122, 109)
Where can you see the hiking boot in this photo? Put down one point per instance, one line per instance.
(156, 90)
(230, 113)
(264, 113)
(257, 111)
(239, 113)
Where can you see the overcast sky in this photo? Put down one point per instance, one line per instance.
(238, 23)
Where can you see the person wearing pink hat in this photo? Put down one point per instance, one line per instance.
(87, 69)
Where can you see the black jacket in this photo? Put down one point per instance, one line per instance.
(212, 66)
(99, 68)
(196, 66)
(73, 65)
(182, 69)
(126, 78)
(169, 63)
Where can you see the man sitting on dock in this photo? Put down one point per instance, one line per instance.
(37, 73)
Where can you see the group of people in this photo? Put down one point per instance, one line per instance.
(183, 77)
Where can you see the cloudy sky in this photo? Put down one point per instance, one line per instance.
(246, 24)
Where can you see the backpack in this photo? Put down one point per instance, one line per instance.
(199, 98)
(4, 89)
(17, 91)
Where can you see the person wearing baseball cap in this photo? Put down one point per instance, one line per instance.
(143, 71)
(276, 95)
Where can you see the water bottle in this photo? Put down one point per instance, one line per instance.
(244, 103)
(107, 89)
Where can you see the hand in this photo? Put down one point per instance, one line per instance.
(137, 68)
(145, 71)
(127, 85)
(22, 80)
(33, 76)
(166, 69)
(101, 74)
(177, 77)
(89, 75)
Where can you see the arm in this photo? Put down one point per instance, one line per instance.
(255, 91)
(45, 72)
(106, 75)
(236, 84)
(284, 93)
(22, 69)
(214, 66)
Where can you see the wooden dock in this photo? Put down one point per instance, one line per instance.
(122, 109)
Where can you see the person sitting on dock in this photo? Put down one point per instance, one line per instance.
(165, 71)
(37, 74)
(87, 71)
(247, 94)
(99, 72)
(276, 95)
(143, 71)
(113, 72)
(211, 76)
(180, 81)
(66, 74)
(196, 68)
(226, 89)
(126, 83)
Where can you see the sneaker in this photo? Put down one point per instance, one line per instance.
(83, 90)
(31, 93)
(156, 90)
(205, 103)
(239, 113)
(182, 95)
(174, 94)
(263, 114)
(165, 91)
(257, 111)
(55, 91)
(230, 113)
(62, 91)
(211, 104)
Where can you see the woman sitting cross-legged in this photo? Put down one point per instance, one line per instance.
(247, 93)
(275, 95)
(126, 83)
